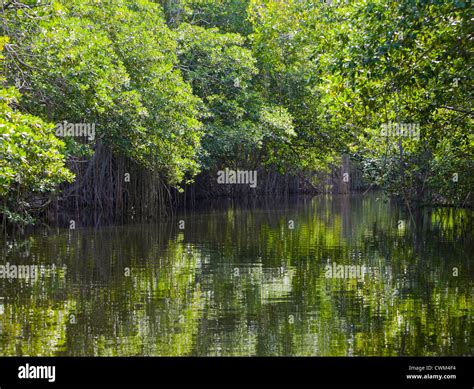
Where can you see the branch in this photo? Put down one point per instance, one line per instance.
(457, 110)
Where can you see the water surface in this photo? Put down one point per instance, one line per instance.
(247, 279)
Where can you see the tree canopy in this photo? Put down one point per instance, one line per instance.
(183, 87)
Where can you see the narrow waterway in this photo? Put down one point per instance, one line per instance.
(328, 276)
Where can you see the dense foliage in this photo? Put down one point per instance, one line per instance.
(182, 87)
(31, 158)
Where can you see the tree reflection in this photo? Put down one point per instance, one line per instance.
(239, 281)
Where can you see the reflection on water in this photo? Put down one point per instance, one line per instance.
(239, 280)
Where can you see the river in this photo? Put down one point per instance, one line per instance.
(324, 276)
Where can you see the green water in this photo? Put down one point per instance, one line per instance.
(238, 280)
